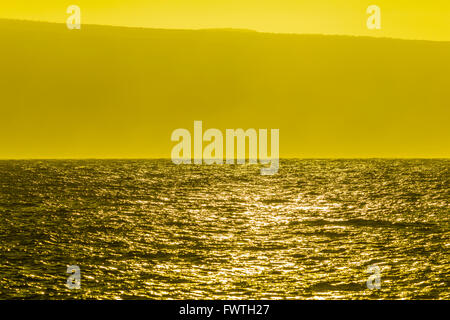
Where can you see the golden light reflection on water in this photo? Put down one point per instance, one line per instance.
(148, 229)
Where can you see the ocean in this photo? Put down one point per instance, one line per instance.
(149, 229)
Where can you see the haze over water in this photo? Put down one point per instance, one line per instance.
(150, 229)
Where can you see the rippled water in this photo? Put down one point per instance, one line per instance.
(150, 229)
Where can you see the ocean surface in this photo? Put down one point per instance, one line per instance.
(141, 229)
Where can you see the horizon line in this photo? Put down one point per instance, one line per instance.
(229, 29)
(281, 158)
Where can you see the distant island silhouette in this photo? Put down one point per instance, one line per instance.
(118, 92)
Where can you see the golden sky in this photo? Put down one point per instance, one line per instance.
(410, 19)
(103, 92)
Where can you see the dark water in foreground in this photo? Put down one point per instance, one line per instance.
(150, 229)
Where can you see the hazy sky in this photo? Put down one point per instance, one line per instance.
(103, 92)
(411, 19)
